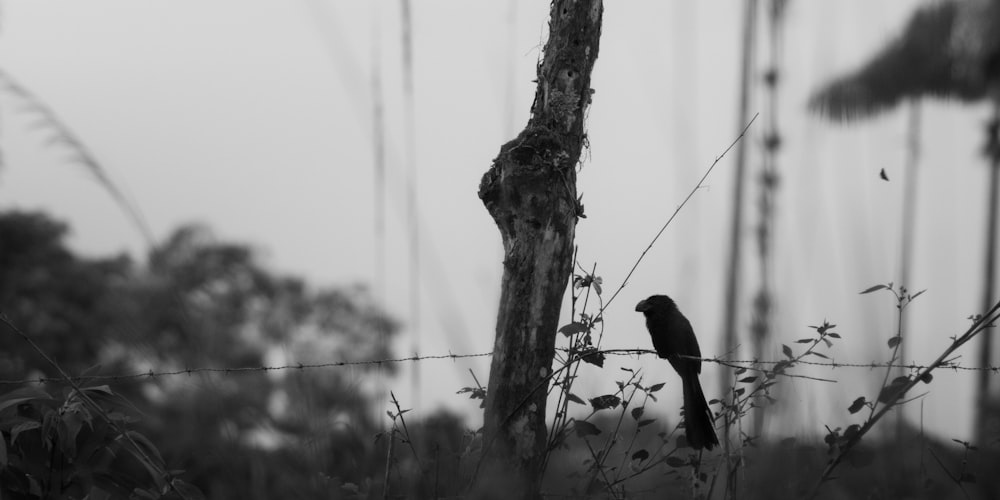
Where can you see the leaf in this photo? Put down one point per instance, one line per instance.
(857, 405)
(146, 494)
(804, 341)
(819, 354)
(889, 392)
(187, 491)
(894, 341)
(784, 349)
(673, 461)
(643, 423)
(19, 428)
(595, 358)
(917, 294)
(637, 412)
(926, 377)
(22, 395)
(606, 401)
(148, 447)
(867, 290)
(99, 388)
(573, 328)
(655, 387)
(584, 429)
(780, 366)
(834, 335)
(576, 399)
(747, 380)
(851, 431)
(640, 455)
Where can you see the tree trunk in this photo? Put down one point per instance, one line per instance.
(530, 190)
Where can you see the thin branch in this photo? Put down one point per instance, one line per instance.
(676, 211)
(983, 322)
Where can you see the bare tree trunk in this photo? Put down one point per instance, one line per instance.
(530, 190)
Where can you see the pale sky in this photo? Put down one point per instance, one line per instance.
(255, 118)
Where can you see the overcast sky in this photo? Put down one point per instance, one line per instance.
(255, 118)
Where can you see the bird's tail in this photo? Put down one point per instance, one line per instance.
(698, 425)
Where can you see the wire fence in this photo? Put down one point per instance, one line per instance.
(732, 363)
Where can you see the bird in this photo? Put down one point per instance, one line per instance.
(673, 337)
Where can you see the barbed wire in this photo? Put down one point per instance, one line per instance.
(151, 374)
(733, 363)
(748, 363)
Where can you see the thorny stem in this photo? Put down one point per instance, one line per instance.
(407, 440)
(621, 416)
(559, 420)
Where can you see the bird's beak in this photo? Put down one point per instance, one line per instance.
(642, 306)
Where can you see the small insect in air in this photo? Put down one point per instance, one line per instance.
(883, 175)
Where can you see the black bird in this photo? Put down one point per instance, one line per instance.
(673, 337)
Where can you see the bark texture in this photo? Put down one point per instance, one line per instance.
(530, 190)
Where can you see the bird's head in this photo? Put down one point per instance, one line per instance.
(655, 302)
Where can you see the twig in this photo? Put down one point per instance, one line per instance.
(408, 441)
(676, 211)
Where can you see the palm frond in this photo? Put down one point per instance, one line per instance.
(921, 62)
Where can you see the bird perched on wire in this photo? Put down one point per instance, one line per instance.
(673, 337)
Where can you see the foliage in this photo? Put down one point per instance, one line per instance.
(202, 302)
(69, 448)
(45, 288)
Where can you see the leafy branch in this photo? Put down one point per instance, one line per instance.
(741, 401)
(852, 436)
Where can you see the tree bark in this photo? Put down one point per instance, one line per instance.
(530, 190)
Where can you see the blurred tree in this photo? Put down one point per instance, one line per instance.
(208, 303)
(53, 295)
(204, 303)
